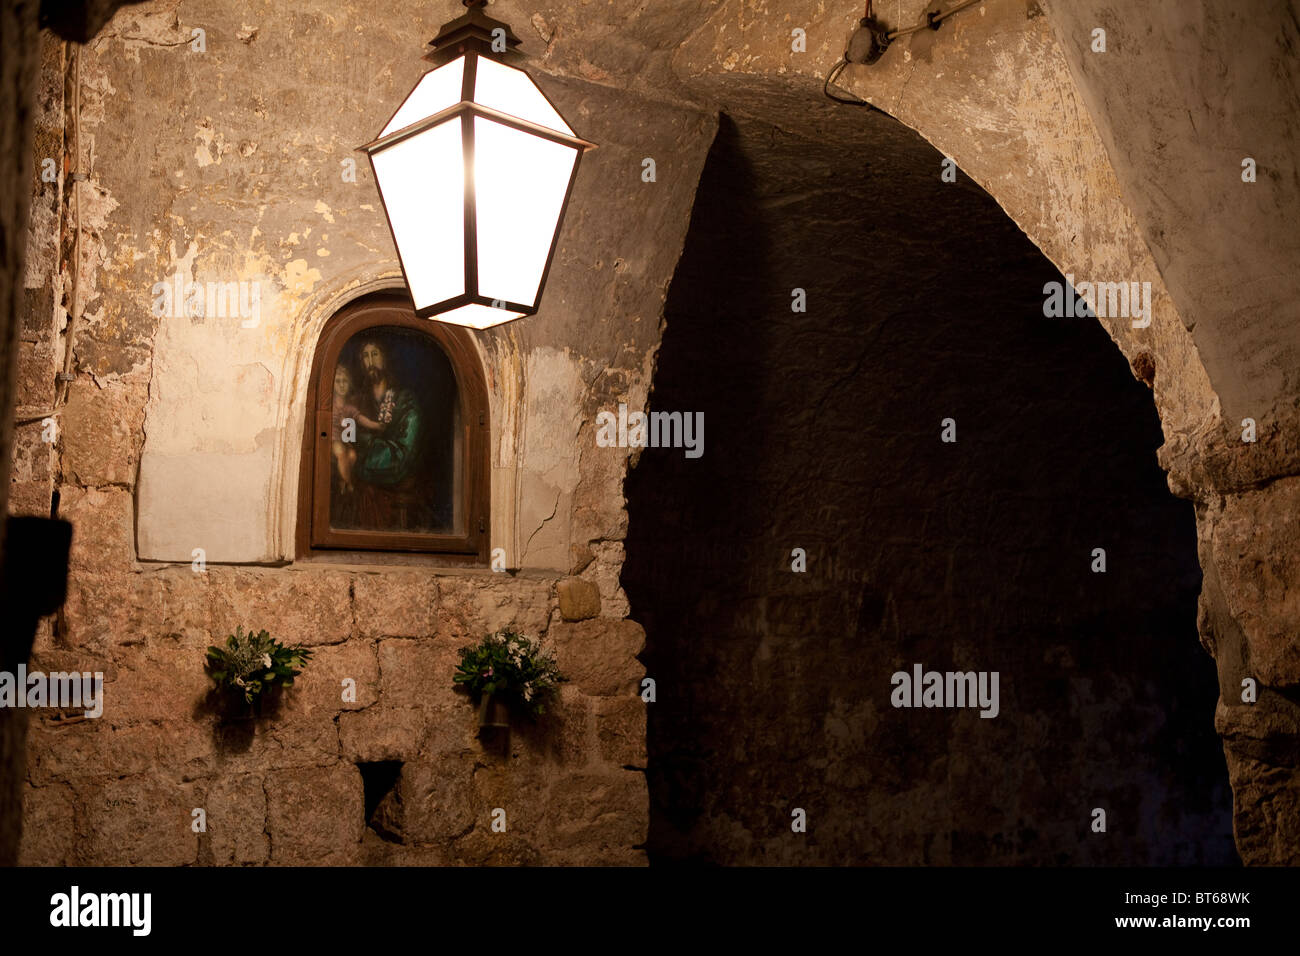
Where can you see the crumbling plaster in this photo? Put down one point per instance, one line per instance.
(226, 173)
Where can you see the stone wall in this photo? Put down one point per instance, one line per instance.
(225, 165)
(18, 55)
(287, 788)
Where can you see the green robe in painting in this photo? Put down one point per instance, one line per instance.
(389, 457)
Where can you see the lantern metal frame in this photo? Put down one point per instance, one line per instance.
(472, 36)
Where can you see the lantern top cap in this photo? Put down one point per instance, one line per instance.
(474, 30)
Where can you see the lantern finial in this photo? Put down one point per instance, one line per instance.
(474, 30)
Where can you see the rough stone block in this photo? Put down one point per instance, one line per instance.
(318, 691)
(49, 827)
(311, 606)
(102, 533)
(75, 749)
(604, 572)
(31, 498)
(400, 604)
(173, 602)
(599, 656)
(417, 672)
(97, 611)
(473, 607)
(482, 847)
(599, 811)
(101, 433)
(140, 820)
(1256, 549)
(382, 733)
(314, 815)
(438, 801)
(236, 821)
(159, 681)
(579, 599)
(34, 384)
(621, 730)
(562, 734)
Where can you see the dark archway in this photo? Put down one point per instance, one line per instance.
(924, 302)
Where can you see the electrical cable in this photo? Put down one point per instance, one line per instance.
(830, 78)
(931, 22)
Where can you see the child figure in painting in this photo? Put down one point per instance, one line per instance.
(345, 452)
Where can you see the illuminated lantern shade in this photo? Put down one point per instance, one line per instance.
(474, 170)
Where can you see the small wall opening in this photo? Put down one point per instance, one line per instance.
(379, 784)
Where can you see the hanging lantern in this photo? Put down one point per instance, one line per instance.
(475, 170)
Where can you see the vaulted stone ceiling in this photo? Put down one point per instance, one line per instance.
(1179, 88)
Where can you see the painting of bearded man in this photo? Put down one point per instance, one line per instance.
(387, 468)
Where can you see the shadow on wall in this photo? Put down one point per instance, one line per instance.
(924, 302)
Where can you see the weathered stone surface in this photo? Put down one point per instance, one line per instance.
(140, 821)
(395, 604)
(163, 681)
(562, 734)
(312, 606)
(472, 607)
(481, 847)
(31, 498)
(621, 729)
(276, 740)
(600, 656)
(32, 472)
(579, 599)
(172, 602)
(314, 815)
(97, 609)
(604, 571)
(438, 801)
(123, 610)
(35, 384)
(318, 691)
(236, 821)
(376, 851)
(102, 533)
(1260, 745)
(599, 811)
(382, 733)
(1255, 546)
(415, 672)
(80, 749)
(49, 827)
(101, 433)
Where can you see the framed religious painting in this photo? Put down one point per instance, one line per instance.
(396, 442)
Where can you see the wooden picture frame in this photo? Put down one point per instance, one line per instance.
(316, 537)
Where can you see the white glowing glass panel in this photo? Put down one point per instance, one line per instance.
(422, 181)
(520, 181)
(437, 90)
(477, 316)
(512, 91)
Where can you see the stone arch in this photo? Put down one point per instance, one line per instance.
(997, 91)
(1039, 152)
(826, 435)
